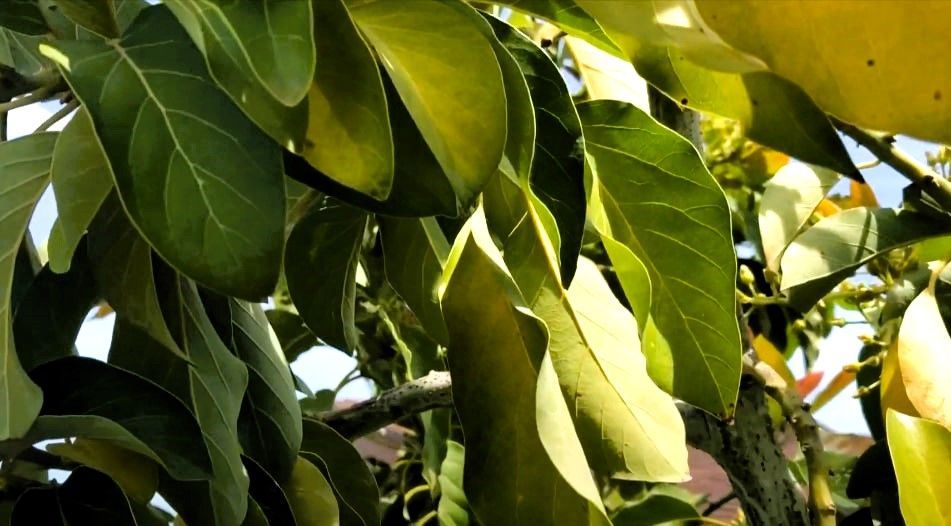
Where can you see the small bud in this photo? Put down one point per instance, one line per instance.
(747, 277)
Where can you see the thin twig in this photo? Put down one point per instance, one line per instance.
(719, 503)
(58, 116)
(883, 148)
(868, 164)
(39, 94)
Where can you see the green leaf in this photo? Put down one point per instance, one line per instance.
(97, 16)
(255, 516)
(414, 254)
(22, 16)
(81, 401)
(789, 199)
(87, 497)
(261, 54)
(829, 251)
(509, 475)
(81, 184)
(655, 509)
(136, 475)
(557, 173)
(920, 451)
(266, 492)
(25, 164)
(311, 496)
(354, 486)
(270, 422)
(321, 266)
(202, 184)
(453, 509)
(569, 16)
(459, 111)
(348, 133)
(21, 52)
(54, 301)
(295, 338)
(652, 193)
(773, 111)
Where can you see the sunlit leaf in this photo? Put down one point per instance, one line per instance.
(789, 199)
(655, 509)
(767, 352)
(87, 497)
(569, 16)
(200, 181)
(606, 76)
(453, 509)
(652, 194)
(862, 194)
(311, 496)
(921, 453)
(898, 84)
(892, 388)
(26, 165)
(838, 383)
(136, 475)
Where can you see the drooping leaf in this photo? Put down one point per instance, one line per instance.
(923, 343)
(829, 251)
(87, 497)
(789, 199)
(321, 266)
(311, 496)
(358, 497)
(898, 86)
(652, 194)
(414, 254)
(135, 474)
(267, 494)
(25, 164)
(49, 316)
(200, 181)
(81, 184)
(270, 420)
(98, 16)
(557, 169)
(453, 509)
(459, 111)
(295, 338)
(509, 475)
(22, 16)
(348, 133)
(81, 401)
(921, 453)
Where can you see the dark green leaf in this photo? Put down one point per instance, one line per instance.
(295, 338)
(21, 52)
(453, 509)
(201, 182)
(321, 266)
(652, 194)
(48, 318)
(828, 252)
(255, 516)
(25, 164)
(354, 486)
(268, 495)
(655, 509)
(136, 474)
(569, 16)
(323, 400)
(87, 497)
(90, 399)
(81, 184)
(97, 16)
(414, 254)
(22, 16)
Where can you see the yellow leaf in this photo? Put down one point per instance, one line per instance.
(921, 454)
(768, 353)
(923, 345)
(840, 382)
(881, 65)
(827, 208)
(862, 195)
(892, 388)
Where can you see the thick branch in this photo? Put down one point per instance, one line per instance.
(883, 148)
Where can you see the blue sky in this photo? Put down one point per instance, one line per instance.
(323, 368)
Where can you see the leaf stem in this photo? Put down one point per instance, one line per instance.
(58, 116)
(883, 148)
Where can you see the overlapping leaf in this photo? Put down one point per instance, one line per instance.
(137, 475)
(87, 497)
(652, 194)
(25, 164)
(200, 181)
(921, 454)
(453, 509)
(311, 497)
(568, 15)
(98, 16)
(23, 16)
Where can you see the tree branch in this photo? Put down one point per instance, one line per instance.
(883, 148)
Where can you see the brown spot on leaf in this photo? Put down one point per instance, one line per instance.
(937, 94)
(683, 101)
(870, 62)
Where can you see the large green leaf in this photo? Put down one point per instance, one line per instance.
(921, 454)
(81, 184)
(829, 251)
(321, 267)
(459, 110)
(21, 53)
(453, 509)
(25, 164)
(87, 497)
(98, 16)
(354, 486)
(90, 399)
(200, 181)
(49, 316)
(268, 495)
(311, 496)
(348, 133)
(270, 422)
(136, 474)
(655, 509)
(22, 16)
(652, 193)
(414, 254)
(262, 54)
(557, 173)
(773, 111)
(509, 475)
